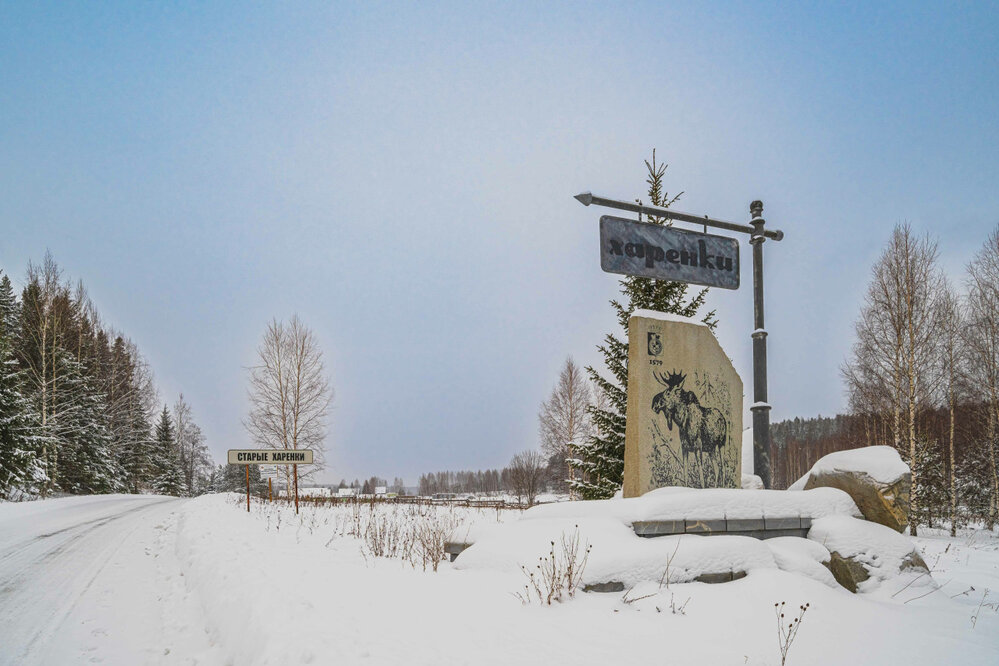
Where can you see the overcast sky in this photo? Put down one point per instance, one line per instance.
(402, 178)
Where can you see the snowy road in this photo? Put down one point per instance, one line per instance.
(94, 580)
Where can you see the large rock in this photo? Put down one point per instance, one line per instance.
(875, 477)
(864, 554)
(684, 407)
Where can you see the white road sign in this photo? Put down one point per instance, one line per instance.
(270, 457)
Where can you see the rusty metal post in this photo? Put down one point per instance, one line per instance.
(270, 490)
(760, 406)
(247, 488)
(295, 468)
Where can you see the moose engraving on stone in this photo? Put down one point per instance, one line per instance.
(702, 430)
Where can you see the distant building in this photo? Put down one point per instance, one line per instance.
(346, 492)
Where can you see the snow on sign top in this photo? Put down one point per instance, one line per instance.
(270, 456)
(667, 316)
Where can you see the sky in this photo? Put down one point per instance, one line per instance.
(400, 175)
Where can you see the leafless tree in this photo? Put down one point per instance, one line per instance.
(290, 393)
(48, 307)
(951, 367)
(982, 339)
(892, 362)
(564, 419)
(527, 474)
(195, 459)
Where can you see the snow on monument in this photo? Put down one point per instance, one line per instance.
(684, 407)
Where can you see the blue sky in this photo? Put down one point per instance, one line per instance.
(401, 176)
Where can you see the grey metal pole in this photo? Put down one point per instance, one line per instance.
(760, 407)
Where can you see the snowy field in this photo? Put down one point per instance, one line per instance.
(148, 580)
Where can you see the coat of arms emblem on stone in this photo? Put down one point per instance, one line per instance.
(655, 344)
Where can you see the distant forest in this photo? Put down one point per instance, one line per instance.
(79, 409)
(796, 445)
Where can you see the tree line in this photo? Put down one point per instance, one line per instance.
(79, 408)
(526, 476)
(923, 375)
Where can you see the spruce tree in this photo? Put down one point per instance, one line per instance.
(599, 460)
(88, 461)
(20, 470)
(169, 479)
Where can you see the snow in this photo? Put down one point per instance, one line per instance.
(747, 452)
(667, 316)
(616, 553)
(882, 550)
(675, 503)
(751, 482)
(802, 556)
(201, 581)
(882, 463)
(94, 578)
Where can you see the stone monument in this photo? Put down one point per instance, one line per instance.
(684, 407)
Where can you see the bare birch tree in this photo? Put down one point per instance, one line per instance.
(290, 393)
(950, 367)
(195, 459)
(892, 360)
(564, 419)
(982, 338)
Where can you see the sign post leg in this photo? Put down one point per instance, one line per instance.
(295, 469)
(760, 407)
(270, 491)
(247, 467)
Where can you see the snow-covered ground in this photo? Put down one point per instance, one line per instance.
(128, 580)
(96, 580)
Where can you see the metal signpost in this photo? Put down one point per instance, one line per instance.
(269, 457)
(665, 253)
(268, 472)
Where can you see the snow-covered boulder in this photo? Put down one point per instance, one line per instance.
(802, 556)
(751, 482)
(864, 554)
(875, 477)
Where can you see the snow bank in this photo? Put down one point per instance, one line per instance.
(616, 553)
(882, 463)
(751, 482)
(300, 594)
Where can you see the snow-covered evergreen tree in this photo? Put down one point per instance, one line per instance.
(169, 479)
(20, 471)
(88, 463)
(599, 460)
